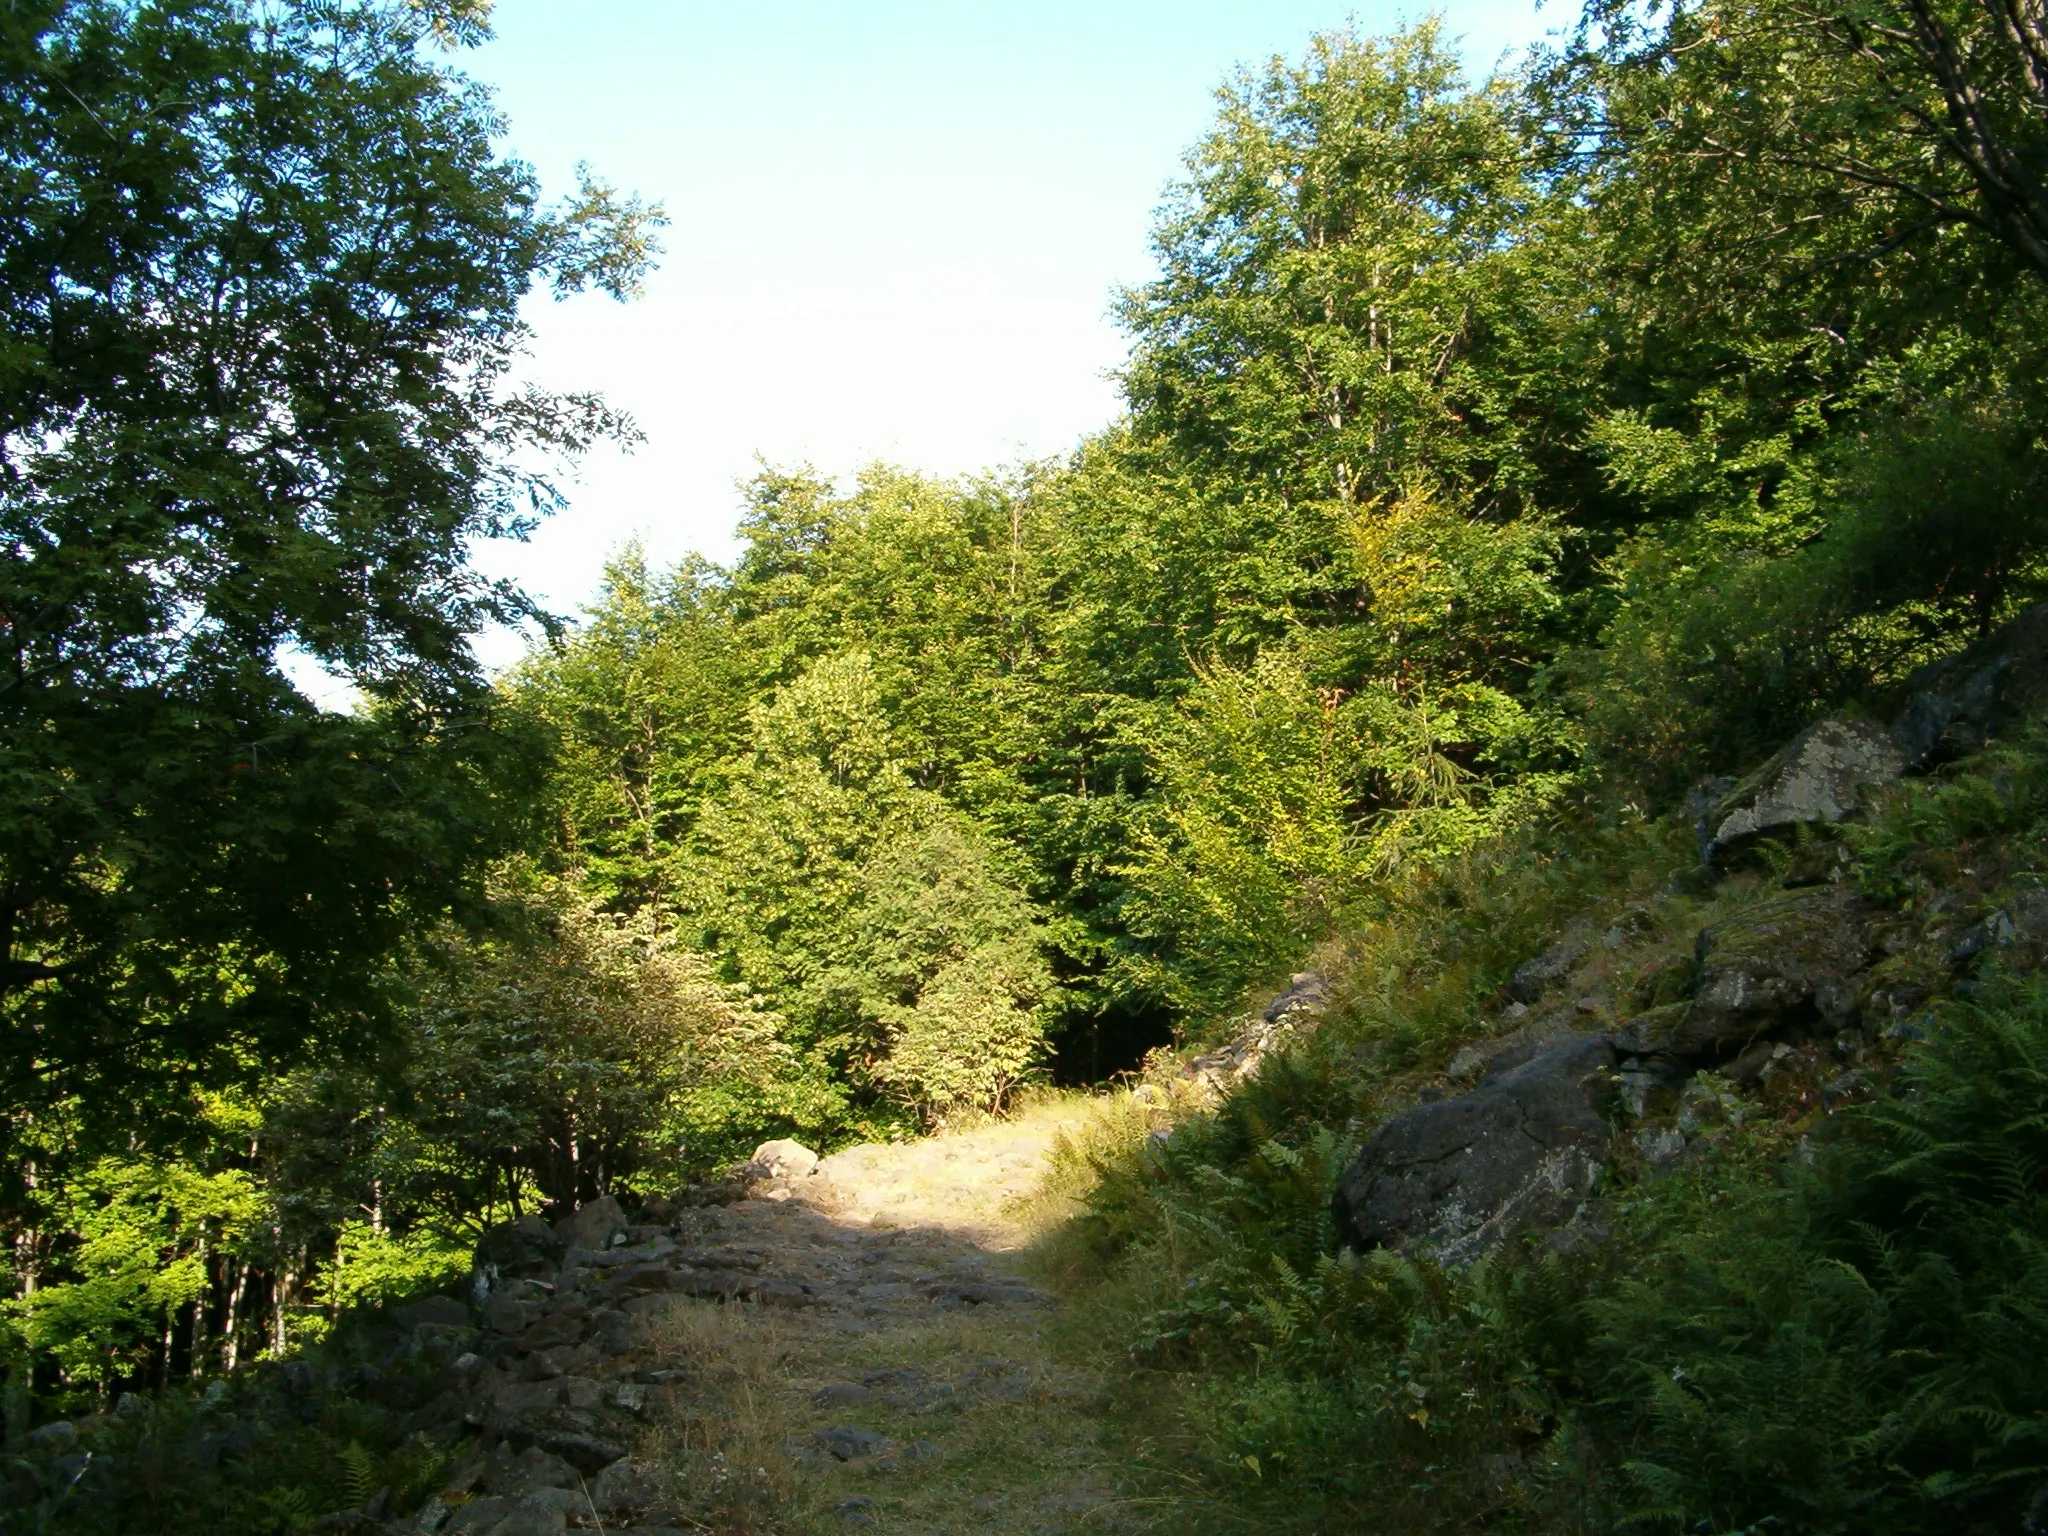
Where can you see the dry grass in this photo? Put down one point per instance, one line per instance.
(724, 1452)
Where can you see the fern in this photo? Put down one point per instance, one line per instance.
(360, 1478)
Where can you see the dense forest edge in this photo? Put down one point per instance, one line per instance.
(1511, 466)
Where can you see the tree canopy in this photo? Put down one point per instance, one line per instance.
(260, 269)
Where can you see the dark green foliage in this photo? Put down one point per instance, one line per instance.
(259, 276)
(269, 1454)
(1860, 1347)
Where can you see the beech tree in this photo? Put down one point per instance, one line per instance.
(261, 265)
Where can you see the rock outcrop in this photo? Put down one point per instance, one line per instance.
(1823, 775)
(1787, 961)
(1517, 1153)
(1955, 705)
(1294, 1010)
(783, 1160)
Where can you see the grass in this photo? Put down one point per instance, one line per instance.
(999, 1436)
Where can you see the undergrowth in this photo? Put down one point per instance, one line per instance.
(1834, 1323)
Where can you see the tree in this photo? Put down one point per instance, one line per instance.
(1350, 290)
(643, 709)
(580, 1054)
(957, 972)
(1912, 117)
(260, 268)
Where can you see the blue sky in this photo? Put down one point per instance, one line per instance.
(897, 227)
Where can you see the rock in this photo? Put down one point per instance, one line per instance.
(1700, 801)
(1233, 1062)
(511, 1315)
(625, 1488)
(1553, 965)
(895, 1378)
(1650, 1032)
(515, 1476)
(527, 1246)
(536, 1514)
(431, 1312)
(1307, 992)
(851, 1444)
(1466, 1064)
(586, 1452)
(1660, 1148)
(1822, 776)
(783, 1160)
(1517, 1153)
(1541, 1035)
(1955, 705)
(53, 1438)
(479, 1517)
(547, 1332)
(977, 1293)
(584, 1393)
(2023, 920)
(518, 1399)
(844, 1394)
(1774, 966)
(774, 1291)
(592, 1225)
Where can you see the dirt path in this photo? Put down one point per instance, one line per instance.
(893, 1372)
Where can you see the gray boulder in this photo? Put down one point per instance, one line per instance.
(2021, 923)
(1518, 1153)
(1532, 977)
(1307, 993)
(1821, 776)
(783, 1159)
(1955, 705)
(528, 1246)
(593, 1224)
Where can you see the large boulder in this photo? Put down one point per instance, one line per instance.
(1517, 1153)
(783, 1159)
(593, 1224)
(1955, 705)
(1821, 776)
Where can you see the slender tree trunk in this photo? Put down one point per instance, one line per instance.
(281, 1300)
(231, 1337)
(198, 1366)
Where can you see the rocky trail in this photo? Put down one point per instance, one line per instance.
(850, 1345)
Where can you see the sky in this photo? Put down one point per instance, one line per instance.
(897, 229)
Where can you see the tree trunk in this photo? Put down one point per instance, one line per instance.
(281, 1300)
(198, 1344)
(231, 1339)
